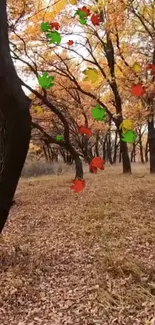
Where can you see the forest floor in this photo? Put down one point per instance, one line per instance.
(83, 258)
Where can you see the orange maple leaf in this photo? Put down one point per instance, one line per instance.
(97, 162)
(137, 90)
(55, 25)
(151, 67)
(78, 185)
(95, 19)
(85, 9)
(70, 42)
(85, 130)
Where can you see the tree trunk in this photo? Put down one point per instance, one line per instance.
(97, 144)
(125, 156)
(141, 149)
(133, 153)
(15, 123)
(115, 148)
(146, 151)
(151, 140)
(120, 154)
(104, 147)
(79, 168)
(109, 151)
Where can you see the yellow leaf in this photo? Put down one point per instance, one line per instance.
(136, 67)
(38, 109)
(91, 75)
(126, 125)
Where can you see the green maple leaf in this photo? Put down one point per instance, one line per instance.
(82, 14)
(54, 37)
(98, 113)
(129, 136)
(45, 27)
(59, 137)
(83, 21)
(45, 81)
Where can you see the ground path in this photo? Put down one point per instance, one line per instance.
(80, 259)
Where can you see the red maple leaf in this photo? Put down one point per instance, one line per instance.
(97, 162)
(70, 42)
(85, 130)
(151, 67)
(137, 90)
(78, 185)
(95, 19)
(85, 9)
(55, 25)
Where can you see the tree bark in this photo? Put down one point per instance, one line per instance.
(151, 140)
(115, 148)
(146, 151)
(97, 144)
(133, 153)
(109, 148)
(125, 156)
(15, 123)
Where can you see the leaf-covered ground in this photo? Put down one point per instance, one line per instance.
(80, 259)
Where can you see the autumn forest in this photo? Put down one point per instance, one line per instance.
(78, 85)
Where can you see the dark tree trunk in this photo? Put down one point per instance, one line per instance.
(76, 158)
(109, 151)
(89, 159)
(45, 153)
(151, 140)
(15, 123)
(125, 156)
(120, 154)
(141, 149)
(104, 148)
(96, 144)
(146, 151)
(133, 153)
(49, 154)
(79, 168)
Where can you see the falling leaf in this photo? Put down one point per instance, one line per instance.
(126, 125)
(137, 90)
(85, 10)
(98, 113)
(129, 136)
(136, 67)
(91, 75)
(81, 14)
(70, 42)
(38, 109)
(45, 81)
(83, 21)
(54, 37)
(85, 130)
(54, 25)
(59, 137)
(78, 185)
(97, 162)
(45, 27)
(95, 19)
(151, 67)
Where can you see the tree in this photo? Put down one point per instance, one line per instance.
(48, 62)
(144, 16)
(15, 122)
